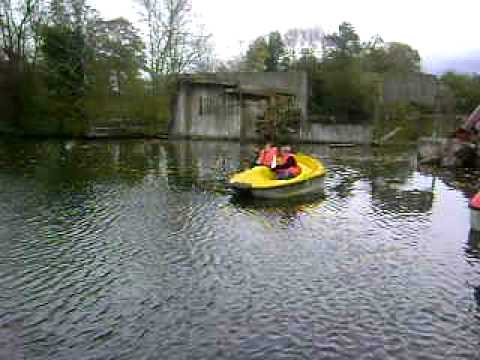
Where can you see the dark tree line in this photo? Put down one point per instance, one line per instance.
(344, 71)
(68, 67)
(68, 60)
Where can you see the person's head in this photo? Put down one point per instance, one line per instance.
(285, 149)
(268, 145)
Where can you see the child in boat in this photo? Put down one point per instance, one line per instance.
(268, 156)
(286, 167)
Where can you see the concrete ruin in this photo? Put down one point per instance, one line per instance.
(460, 149)
(228, 105)
(449, 153)
(418, 88)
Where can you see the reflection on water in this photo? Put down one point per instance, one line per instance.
(135, 249)
(288, 212)
(473, 245)
(472, 251)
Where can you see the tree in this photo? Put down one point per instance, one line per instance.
(257, 55)
(344, 43)
(175, 45)
(303, 48)
(374, 56)
(466, 89)
(275, 52)
(299, 42)
(266, 53)
(16, 29)
(393, 58)
(208, 62)
(67, 46)
(118, 50)
(60, 49)
(235, 64)
(292, 39)
(342, 90)
(402, 58)
(58, 12)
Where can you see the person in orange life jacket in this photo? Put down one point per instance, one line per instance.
(268, 156)
(287, 167)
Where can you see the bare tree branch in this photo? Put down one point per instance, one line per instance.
(17, 28)
(174, 45)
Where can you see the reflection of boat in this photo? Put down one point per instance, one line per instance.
(284, 212)
(473, 245)
(260, 181)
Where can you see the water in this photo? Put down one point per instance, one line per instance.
(135, 250)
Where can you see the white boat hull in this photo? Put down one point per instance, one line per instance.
(313, 186)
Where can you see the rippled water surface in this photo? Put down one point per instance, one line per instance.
(135, 250)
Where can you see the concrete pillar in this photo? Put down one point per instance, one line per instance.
(243, 126)
(188, 109)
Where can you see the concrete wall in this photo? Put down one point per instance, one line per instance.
(213, 113)
(293, 82)
(178, 124)
(421, 88)
(339, 133)
(225, 115)
(206, 110)
(252, 110)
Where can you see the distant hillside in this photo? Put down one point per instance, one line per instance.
(468, 63)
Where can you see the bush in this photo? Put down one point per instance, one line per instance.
(343, 92)
(466, 89)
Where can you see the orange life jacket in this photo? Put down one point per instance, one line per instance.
(475, 202)
(267, 156)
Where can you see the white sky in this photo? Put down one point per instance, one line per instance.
(436, 28)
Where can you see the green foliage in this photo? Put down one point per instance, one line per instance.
(275, 52)
(394, 58)
(410, 118)
(345, 43)
(87, 81)
(119, 96)
(132, 108)
(402, 58)
(374, 56)
(119, 49)
(44, 114)
(281, 122)
(345, 83)
(342, 91)
(267, 54)
(307, 62)
(89, 70)
(257, 55)
(85, 71)
(64, 50)
(466, 89)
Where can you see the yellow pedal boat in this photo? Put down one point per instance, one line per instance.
(261, 182)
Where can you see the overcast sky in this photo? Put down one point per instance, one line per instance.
(441, 28)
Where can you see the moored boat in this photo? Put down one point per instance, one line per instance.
(261, 181)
